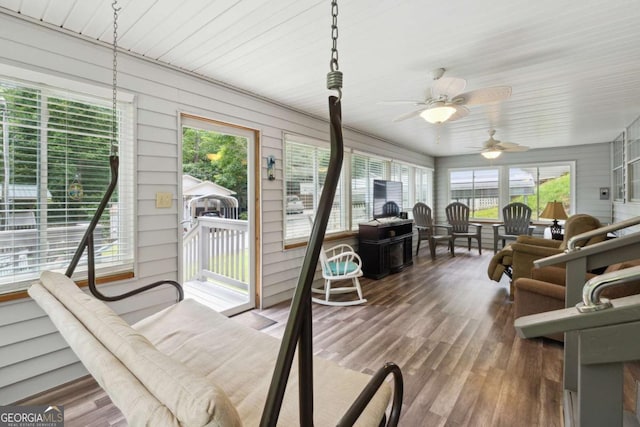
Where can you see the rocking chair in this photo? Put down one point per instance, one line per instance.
(340, 262)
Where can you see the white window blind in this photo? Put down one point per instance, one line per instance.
(306, 166)
(633, 151)
(400, 173)
(618, 168)
(55, 170)
(364, 169)
(424, 186)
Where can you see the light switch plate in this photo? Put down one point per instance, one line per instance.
(164, 200)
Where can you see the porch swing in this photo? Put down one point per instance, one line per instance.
(165, 369)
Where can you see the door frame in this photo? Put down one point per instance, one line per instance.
(253, 198)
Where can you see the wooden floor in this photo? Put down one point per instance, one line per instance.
(445, 323)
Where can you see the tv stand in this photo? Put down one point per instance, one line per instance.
(385, 246)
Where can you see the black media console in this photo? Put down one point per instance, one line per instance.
(385, 246)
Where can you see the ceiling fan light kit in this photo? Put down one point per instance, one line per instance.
(491, 154)
(492, 148)
(438, 114)
(447, 101)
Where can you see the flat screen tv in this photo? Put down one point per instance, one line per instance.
(387, 198)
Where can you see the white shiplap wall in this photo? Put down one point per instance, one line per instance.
(592, 171)
(33, 357)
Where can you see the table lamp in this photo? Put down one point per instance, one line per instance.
(556, 211)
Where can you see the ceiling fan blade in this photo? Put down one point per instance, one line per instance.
(402, 102)
(448, 86)
(460, 113)
(505, 144)
(517, 148)
(408, 115)
(483, 96)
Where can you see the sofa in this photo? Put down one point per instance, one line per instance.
(516, 260)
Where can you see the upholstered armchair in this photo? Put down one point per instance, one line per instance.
(516, 260)
(545, 290)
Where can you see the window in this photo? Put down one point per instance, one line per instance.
(424, 186)
(478, 189)
(364, 169)
(535, 186)
(55, 169)
(618, 168)
(400, 172)
(305, 168)
(633, 152)
(306, 165)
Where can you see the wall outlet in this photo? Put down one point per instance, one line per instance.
(164, 200)
(604, 193)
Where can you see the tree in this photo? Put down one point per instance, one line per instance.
(216, 157)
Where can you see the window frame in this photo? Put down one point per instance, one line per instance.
(346, 211)
(56, 87)
(473, 169)
(572, 183)
(632, 145)
(503, 183)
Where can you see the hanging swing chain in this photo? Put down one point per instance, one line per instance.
(334, 36)
(114, 116)
(334, 77)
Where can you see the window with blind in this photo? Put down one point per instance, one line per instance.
(400, 172)
(424, 186)
(633, 166)
(364, 169)
(55, 169)
(306, 162)
(306, 166)
(618, 168)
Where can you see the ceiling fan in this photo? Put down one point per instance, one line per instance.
(492, 148)
(447, 101)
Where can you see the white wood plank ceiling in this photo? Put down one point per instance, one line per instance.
(574, 66)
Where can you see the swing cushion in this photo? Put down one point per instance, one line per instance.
(163, 371)
(341, 268)
(192, 399)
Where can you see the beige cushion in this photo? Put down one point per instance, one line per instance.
(193, 399)
(242, 361)
(136, 403)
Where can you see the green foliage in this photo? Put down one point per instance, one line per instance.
(78, 146)
(215, 157)
(557, 189)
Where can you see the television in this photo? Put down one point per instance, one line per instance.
(387, 198)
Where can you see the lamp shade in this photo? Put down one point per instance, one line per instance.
(438, 113)
(554, 210)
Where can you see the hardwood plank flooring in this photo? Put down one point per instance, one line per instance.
(444, 322)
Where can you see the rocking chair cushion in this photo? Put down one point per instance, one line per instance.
(193, 399)
(338, 268)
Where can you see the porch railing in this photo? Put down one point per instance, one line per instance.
(218, 249)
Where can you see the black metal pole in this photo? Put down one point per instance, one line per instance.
(113, 162)
(87, 242)
(301, 303)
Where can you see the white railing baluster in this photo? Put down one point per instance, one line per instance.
(218, 249)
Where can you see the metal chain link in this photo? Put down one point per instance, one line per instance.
(334, 36)
(114, 116)
(334, 77)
